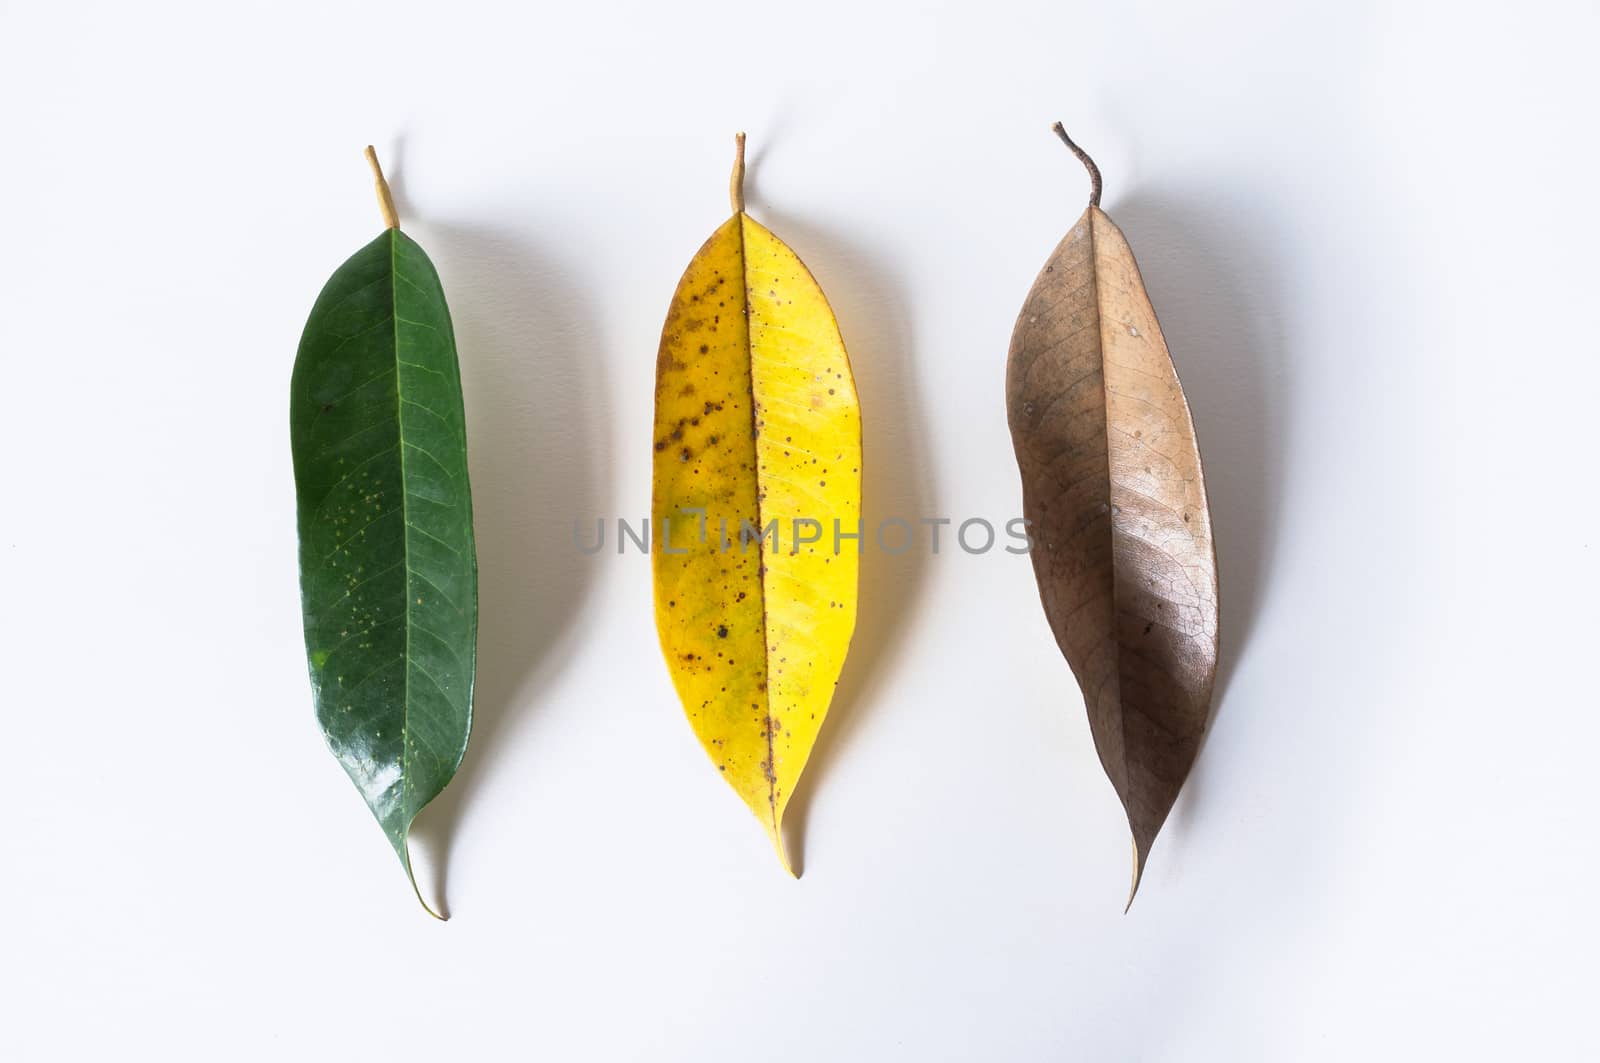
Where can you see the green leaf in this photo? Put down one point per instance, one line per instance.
(388, 570)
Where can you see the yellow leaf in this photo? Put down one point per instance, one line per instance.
(757, 450)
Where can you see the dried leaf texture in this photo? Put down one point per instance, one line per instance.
(1112, 485)
(756, 425)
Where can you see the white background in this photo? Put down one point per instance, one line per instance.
(1369, 229)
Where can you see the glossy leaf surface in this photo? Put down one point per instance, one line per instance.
(388, 571)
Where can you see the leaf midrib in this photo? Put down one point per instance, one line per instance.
(1105, 407)
(761, 544)
(405, 543)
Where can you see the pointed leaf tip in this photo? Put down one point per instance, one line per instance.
(1138, 875)
(411, 876)
(776, 833)
(444, 918)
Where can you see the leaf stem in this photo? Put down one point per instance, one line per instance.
(1088, 164)
(736, 182)
(391, 220)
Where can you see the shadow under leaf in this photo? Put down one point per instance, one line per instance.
(532, 380)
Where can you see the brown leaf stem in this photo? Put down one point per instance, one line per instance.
(1088, 164)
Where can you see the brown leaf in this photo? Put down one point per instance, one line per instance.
(1112, 486)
